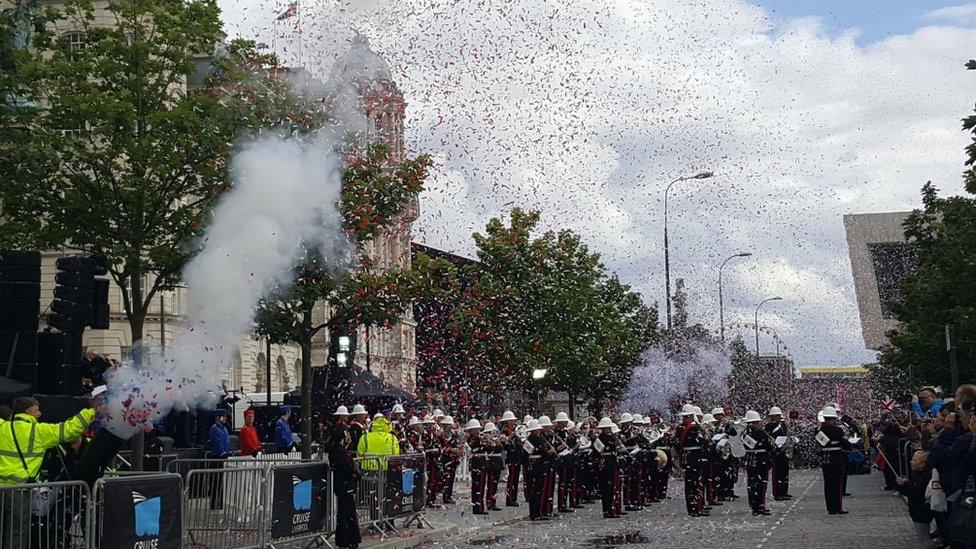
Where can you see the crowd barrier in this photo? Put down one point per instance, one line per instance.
(48, 515)
(237, 503)
(390, 488)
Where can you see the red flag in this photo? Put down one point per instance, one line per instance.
(290, 11)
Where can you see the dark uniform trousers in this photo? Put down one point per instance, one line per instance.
(511, 485)
(608, 481)
(567, 481)
(535, 480)
(757, 474)
(780, 475)
(727, 477)
(634, 488)
(834, 469)
(433, 476)
(450, 473)
(548, 486)
(694, 496)
(479, 482)
(493, 474)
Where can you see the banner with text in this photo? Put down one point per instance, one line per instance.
(142, 512)
(299, 499)
(406, 485)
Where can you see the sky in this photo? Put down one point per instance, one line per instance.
(585, 110)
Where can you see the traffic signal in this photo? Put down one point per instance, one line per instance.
(342, 348)
(79, 299)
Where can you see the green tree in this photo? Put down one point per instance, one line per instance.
(941, 291)
(105, 152)
(547, 302)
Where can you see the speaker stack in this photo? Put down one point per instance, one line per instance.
(20, 307)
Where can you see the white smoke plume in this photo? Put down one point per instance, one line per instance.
(661, 382)
(286, 192)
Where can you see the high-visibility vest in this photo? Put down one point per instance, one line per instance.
(34, 439)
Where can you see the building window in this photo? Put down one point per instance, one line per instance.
(75, 41)
(282, 372)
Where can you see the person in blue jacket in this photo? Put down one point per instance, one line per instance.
(926, 404)
(219, 450)
(284, 440)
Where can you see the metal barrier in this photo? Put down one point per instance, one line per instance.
(224, 508)
(391, 487)
(52, 515)
(301, 504)
(129, 510)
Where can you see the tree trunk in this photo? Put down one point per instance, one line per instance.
(137, 322)
(307, 384)
(571, 397)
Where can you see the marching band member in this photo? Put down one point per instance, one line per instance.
(538, 450)
(712, 464)
(728, 464)
(758, 460)
(623, 458)
(605, 446)
(398, 419)
(665, 443)
(432, 444)
(493, 446)
(514, 457)
(551, 464)
(834, 447)
(450, 456)
(479, 467)
(781, 461)
(633, 500)
(688, 445)
(357, 426)
(565, 465)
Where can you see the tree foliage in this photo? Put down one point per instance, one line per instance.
(546, 302)
(941, 291)
(104, 149)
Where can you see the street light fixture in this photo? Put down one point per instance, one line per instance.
(539, 373)
(721, 309)
(757, 320)
(667, 263)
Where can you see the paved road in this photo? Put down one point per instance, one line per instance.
(877, 519)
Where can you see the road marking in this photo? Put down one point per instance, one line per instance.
(769, 533)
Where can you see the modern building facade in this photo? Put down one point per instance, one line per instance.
(880, 259)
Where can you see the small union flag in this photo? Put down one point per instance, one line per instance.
(290, 11)
(888, 404)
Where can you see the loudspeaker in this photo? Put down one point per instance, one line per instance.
(20, 273)
(21, 290)
(58, 379)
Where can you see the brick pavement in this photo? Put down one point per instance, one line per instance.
(877, 519)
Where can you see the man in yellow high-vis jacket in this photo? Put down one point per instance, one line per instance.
(378, 443)
(23, 442)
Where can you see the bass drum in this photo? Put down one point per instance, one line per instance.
(736, 446)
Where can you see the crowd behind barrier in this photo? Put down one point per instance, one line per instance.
(234, 503)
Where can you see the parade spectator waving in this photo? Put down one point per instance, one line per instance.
(926, 404)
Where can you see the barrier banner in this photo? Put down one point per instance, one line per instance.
(142, 512)
(406, 485)
(299, 499)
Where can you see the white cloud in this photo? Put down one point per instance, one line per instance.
(587, 109)
(955, 14)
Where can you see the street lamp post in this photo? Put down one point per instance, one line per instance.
(757, 320)
(721, 309)
(667, 264)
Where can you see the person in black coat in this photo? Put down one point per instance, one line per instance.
(913, 488)
(345, 477)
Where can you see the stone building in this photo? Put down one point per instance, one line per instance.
(392, 354)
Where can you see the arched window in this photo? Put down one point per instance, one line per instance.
(281, 372)
(260, 384)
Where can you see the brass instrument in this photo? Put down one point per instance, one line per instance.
(521, 432)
